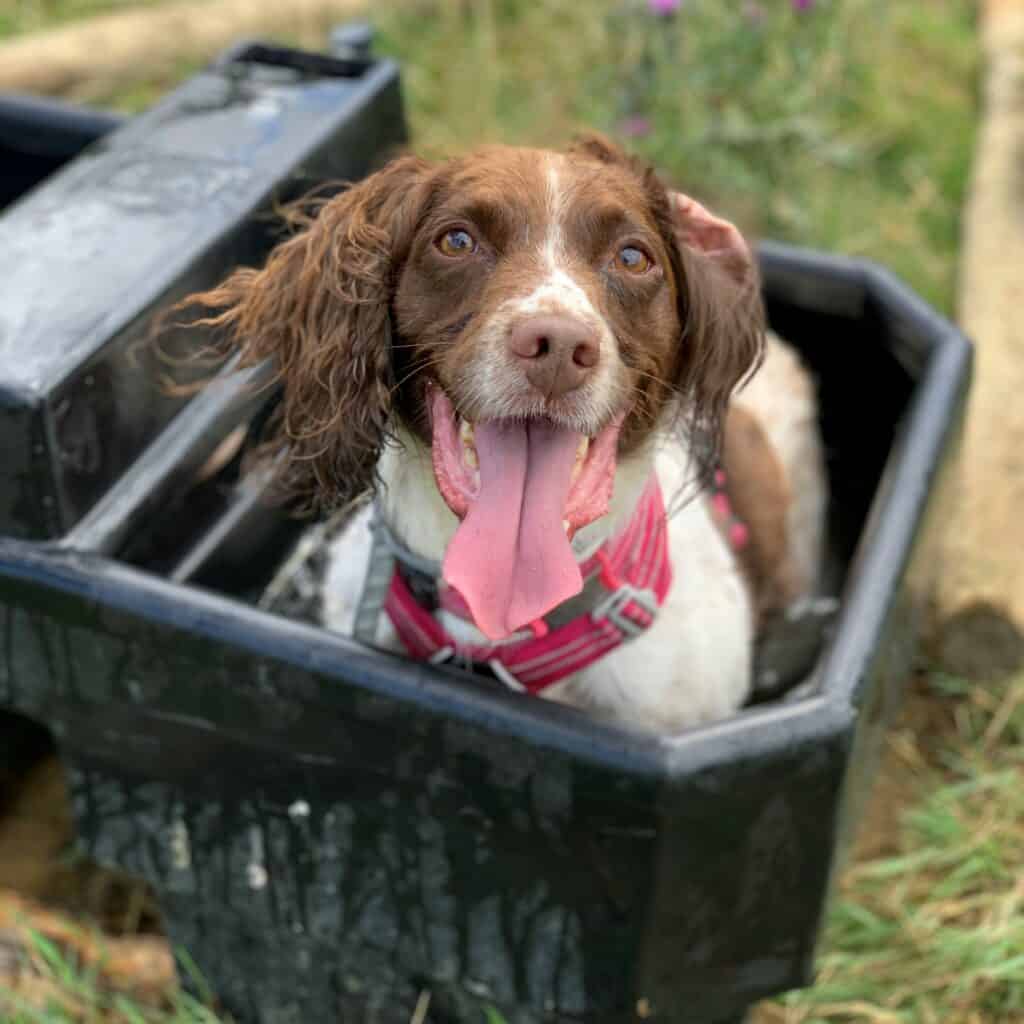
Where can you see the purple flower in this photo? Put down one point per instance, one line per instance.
(802, 5)
(664, 7)
(635, 127)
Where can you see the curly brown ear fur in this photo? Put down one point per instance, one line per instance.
(722, 345)
(320, 309)
(719, 302)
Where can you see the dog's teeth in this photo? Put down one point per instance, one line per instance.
(565, 525)
(468, 437)
(581, 457)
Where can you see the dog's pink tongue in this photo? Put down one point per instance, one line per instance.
(510, 558)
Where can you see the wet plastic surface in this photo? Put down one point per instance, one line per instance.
(146, 215)
(332, 831)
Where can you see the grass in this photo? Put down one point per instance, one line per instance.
(848, 127)
(931, 930)
(55, 989)
(805, 126)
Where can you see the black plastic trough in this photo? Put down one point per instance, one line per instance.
(38, 136)
(332, 831)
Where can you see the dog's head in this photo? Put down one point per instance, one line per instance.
(533, 317)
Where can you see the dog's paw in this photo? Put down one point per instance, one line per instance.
(790, 643)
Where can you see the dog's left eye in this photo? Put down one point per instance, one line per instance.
(633, 260)
(457, 243)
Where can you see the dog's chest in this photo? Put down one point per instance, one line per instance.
(692, 665)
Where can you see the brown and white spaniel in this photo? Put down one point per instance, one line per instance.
(593, 473)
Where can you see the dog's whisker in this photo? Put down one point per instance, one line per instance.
(421, 367)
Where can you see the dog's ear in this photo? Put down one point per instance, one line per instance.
(722, 317)
(320, 310)
(718, 297)
(720, 240)
(722, 312)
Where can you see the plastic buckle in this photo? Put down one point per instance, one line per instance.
(449, 656)
(613, 608)
(442, 656)
(503, 674)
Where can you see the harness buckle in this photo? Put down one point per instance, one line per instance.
(442, 656)
(613, 608)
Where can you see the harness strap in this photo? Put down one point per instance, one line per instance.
(379, 573)
(387, 554)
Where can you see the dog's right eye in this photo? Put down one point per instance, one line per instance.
(633, 260)
(456, 243)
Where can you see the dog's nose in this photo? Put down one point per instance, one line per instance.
(557, 353)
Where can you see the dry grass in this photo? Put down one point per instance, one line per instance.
(55, 988)
(20, 16)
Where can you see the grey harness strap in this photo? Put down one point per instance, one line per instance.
(386, 551)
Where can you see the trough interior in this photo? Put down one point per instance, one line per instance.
(39, 136)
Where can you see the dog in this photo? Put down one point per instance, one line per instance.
(595, 475)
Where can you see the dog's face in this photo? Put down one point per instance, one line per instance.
(541, 286)
(533, 317)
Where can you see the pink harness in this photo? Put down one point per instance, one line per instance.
(634, 571)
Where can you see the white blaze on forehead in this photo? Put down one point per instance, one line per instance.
(554, 238)
(557, 291)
